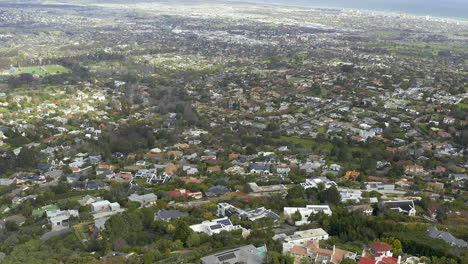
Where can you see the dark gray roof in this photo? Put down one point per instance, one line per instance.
(404, 205)
(246, 254)
(217, 190)
(446, 236)
(169, 214)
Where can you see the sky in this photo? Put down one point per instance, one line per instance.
(439, 8)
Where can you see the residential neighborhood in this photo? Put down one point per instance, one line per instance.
(231, 132)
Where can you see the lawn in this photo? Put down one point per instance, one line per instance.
(306, 143)
(39, 70)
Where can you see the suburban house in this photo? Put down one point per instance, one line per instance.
(185, 194)
(403, 183)
(6, 182)
(301, 237)
(252, 187)
(18, 219)
(314, 183)
(403, 206)
(352, 195)
(311, 250)
(305, 212)
(414, 169)
(365, 209)
(216, 226)
(379, 253)
(379, 186)
(225, 209)
(41, 211)
(145, 200)
(88, 199)
(260, 169)
(167, 215)
(246, 254)
(20, 200)
(216, 190)
(104, 206)
(283, 170)
(60, 219)
(447, 237)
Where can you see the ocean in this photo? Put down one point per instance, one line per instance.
(436, 8)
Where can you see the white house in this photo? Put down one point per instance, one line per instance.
(216, 226)
(145, 200)
(302, 237)
(283, 170)
(59, 219)
(314, 183)
(402, 206)
(306, 212)
(104, 206)
(353, 195)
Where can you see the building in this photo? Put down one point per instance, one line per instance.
(20, 200)
(381, 249)
(167, 215)
(104, 206)
(145, 200)
(60, 219)
(185, 194)
(314, 183)
(215, 226)
(312, 251)
(379, 186)
(305, 212)
(18, 219)
(41, 211)
(6, 182)
(365, 209)
(260, 169)
(225, 209)
(350, 195)
(284, 170)
(152, 176)
(302, 237)
(252, 187)
(379, 253)
(403, 206)
(447, 237)
(246, 254)
(414, 169)
(216, 190)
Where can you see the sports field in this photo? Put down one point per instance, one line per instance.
(39, 70)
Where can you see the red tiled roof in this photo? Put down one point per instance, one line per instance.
(312, 244)
(366, 260)
(214, 169)
(49, 139)
(380, 247)
(322, 252)
(390, 260)
(299, 250)
(378, 179)
(179, 193)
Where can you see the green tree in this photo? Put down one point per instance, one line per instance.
(193, 240)
(296, 192)
(11, 226)
(330, 196)
(348, 261)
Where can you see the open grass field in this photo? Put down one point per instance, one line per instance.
(39, 70)
(306, 143)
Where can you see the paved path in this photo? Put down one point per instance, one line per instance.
(52, 234)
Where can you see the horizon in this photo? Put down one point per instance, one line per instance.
(456, 9)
